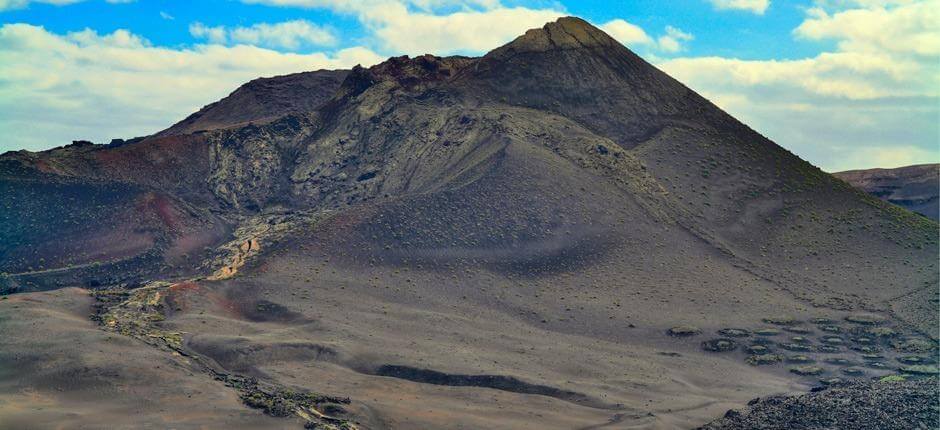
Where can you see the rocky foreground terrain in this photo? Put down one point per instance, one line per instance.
(915, 188)
(553, 235)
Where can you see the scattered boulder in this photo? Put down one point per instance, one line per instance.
(807, 370)
(799, 358)
(832, 340)
(833, 382)
(914, 345)
(796, 347)
(734, 332)
(839, 361)
(881, 332)
(719, 345)
(921, 369)
(683, 331)
(757, 349)
(866, 319)
(764, 359)
(828, 349)
(767, 332)
(781, 320)
(913, 359)
(853, 371)
(831, 328)
(867, 349)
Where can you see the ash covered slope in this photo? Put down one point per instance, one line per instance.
(262, 100)
(915, 188)
(410, 127)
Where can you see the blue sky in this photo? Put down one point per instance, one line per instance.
(842, 83)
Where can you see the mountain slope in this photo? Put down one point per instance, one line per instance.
(261, 100)
(915, 188)
(442, 237)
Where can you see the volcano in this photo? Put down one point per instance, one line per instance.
(553, 235)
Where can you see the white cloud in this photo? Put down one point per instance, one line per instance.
(402, 31)
(166, 16)
(672, 40)
(626, 33)
(289, 35)
(912, 28)
(873, 101)
(212, 34)
(755, 6)
(20, 4)
(441, 27)
(57, 87)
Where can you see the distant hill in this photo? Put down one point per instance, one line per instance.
(915, 188)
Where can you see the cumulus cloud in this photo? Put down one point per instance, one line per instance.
(20, 4)
(442, 27)
(872, 102)
(626, 33)
(672, 41)
(399, 30)
(289, 35)
(59, 87)
(755, 6)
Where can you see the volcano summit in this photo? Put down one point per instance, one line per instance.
(553, 235)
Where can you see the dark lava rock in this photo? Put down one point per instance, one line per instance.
(828, 349)
(757, 349)
(683, 331)
(767, 332)
(866, 349)
(882, 332)
(800, 339)
(832, 340)
(839, 361)
(808, 370)
(799, 358)
(719, 345)
(781, 320)
(923, 370)
(820, 321)
(866, 319)
(734, 332)
(857, 405)
(798, 330)
(915, 345)
(831, 328)
(913, 359)
(764, 359)
(796, 347)
(876, 365)
(762, 341)
(853, 371)
(834, 381)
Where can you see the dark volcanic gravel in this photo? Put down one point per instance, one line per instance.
(859, 405)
